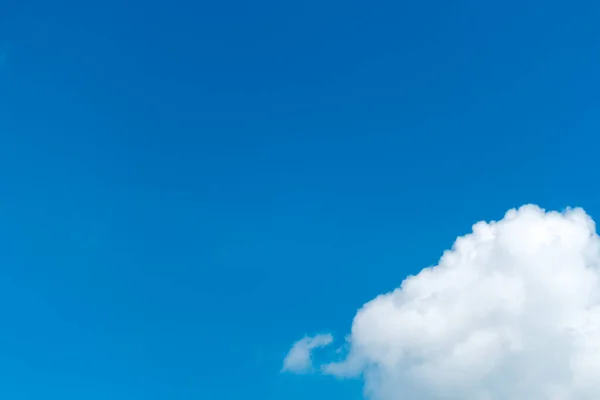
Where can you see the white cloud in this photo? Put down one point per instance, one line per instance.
(299, 357)
(512, 311)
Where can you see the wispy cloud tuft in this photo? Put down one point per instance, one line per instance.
(299, 358)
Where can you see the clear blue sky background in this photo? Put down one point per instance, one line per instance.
(187, 187)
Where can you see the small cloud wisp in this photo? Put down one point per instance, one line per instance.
(299, 358)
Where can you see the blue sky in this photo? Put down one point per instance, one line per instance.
(188, 187)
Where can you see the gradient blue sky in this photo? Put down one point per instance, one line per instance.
(189, 187)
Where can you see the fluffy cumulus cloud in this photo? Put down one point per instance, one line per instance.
(299, 357)
(512, 311)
